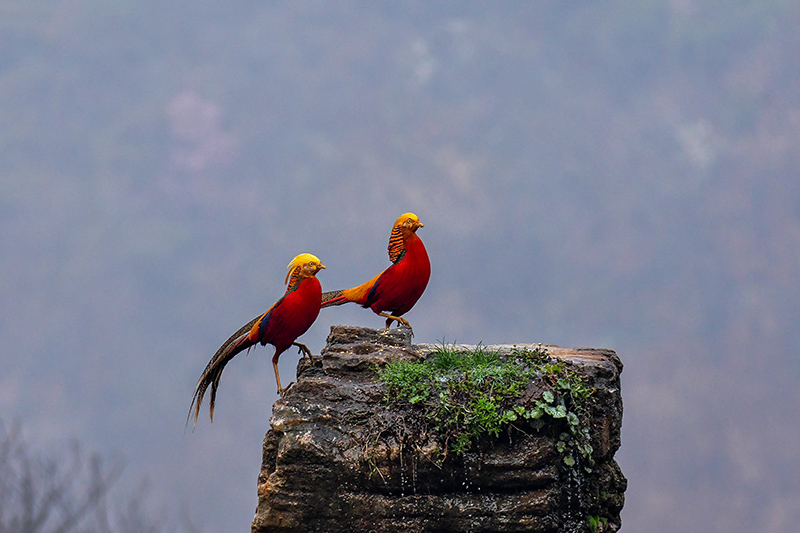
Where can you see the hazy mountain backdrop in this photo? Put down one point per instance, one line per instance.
(611, 174)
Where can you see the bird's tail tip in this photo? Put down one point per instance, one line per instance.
(194, 408)
(209, 380)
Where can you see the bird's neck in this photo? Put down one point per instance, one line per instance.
(305, 284)
(414, 249)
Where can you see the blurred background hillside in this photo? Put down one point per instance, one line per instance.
(607, 174)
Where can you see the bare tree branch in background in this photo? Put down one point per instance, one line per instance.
(54, 494)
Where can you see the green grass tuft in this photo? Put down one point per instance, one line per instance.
(466, 396)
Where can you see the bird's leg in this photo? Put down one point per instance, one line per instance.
(281, 390)
(399, 320)
(303, 349)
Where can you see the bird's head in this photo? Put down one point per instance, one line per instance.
(409, 221)
(303, 266)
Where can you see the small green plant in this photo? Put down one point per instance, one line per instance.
(595, 522)
(467, 395)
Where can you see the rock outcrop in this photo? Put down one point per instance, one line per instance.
(338, 459)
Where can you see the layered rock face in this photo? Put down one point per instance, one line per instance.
(339, 459)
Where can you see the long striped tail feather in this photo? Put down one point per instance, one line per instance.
(333, 298)
(210, 377)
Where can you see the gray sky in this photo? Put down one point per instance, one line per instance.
(588, 175)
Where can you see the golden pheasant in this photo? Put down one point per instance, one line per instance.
(394, 291)
(287, 319)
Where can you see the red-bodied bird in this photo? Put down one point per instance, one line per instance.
(394, 291)
(287, 319)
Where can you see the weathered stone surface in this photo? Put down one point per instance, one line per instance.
(329, 466)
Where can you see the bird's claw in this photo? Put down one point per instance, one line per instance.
(402, 322)
(303, 349)
(286, 388)
(306, 353)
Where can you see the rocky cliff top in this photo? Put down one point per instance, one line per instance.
(349, 452)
